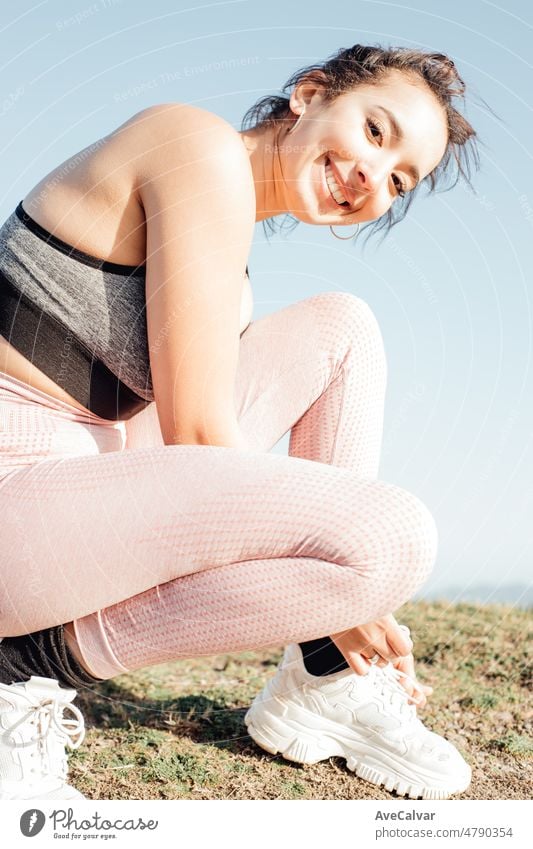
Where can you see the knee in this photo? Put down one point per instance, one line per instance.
(400, 547)
(413, 538)
(347, 321)
(421, 539)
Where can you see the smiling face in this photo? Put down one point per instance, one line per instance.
(365, 149)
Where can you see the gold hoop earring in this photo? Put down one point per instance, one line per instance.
(345, 238)
(292, 129)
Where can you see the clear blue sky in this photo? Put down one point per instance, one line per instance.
(451, 285)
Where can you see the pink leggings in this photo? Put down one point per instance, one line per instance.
(160, 552)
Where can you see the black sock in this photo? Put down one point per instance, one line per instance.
(322, 657)
(42, 653)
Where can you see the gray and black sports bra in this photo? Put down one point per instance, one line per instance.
(79, 319)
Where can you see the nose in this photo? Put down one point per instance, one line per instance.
(368, 179)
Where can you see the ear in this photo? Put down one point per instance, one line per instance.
(308, 89)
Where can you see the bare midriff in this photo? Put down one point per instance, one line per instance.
(50, 211)
(16, 365)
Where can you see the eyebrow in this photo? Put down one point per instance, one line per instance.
(399, 134)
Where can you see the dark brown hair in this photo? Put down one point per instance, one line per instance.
(361, 64)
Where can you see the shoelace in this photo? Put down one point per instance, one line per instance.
(49, 713)
(389, 679)
(48, 716)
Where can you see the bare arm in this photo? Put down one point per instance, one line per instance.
(199, 203)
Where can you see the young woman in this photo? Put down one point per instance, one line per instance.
(144, 518)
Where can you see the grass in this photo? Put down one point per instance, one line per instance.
(176, 731)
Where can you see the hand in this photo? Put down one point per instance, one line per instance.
(419, 692)
(383, 637)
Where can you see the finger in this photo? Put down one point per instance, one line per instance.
(423, 691)
(406, 665)
(408, 686)
(358, 663)
(413, 687)
(417, 695)
(391, 642)
(379, 646)
(373, 655)
(420, 697)
(423, 688)
(399, 641)
(408, 679)
(350, 642)
(377, 660)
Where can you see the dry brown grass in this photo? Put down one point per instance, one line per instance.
(176, 731)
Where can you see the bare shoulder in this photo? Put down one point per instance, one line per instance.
(168, 136)
(173, 116)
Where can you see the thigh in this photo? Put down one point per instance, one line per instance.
(286, 361)
(83, 533)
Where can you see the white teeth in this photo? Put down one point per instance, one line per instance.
(334, 186)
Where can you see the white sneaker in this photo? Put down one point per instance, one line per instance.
(33, 735)
(365, 719)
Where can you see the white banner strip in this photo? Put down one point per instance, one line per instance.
(311, 824)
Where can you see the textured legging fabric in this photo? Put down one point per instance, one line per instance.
(160, 552)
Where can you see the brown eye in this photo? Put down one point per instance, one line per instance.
(400, 188)
(375, 130)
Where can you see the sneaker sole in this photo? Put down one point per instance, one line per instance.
(66, 793)
(294, 738)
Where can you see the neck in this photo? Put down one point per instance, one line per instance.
(262, 146)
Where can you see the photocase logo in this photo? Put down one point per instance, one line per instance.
(32, 822)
